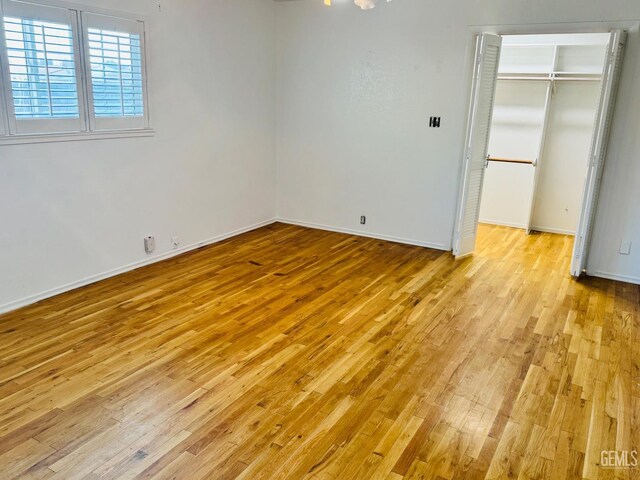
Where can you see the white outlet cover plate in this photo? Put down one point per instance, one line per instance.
(625, 248)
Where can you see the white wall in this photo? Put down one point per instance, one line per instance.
(563, 168)
(516, 131)
(72, 211)
(618, 215)
(355, 93)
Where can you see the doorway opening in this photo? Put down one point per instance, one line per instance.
(539, 120)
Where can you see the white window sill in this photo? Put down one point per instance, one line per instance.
(74, 137)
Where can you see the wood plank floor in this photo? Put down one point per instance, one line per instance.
(294, 353)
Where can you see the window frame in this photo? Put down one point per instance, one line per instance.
(4, 117)
(47, 130)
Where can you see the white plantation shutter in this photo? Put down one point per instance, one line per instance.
(42, 69)
(42, 88)
(115, 72)
(599, 144)
(480, 115)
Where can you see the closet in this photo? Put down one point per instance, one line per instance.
(544, 116)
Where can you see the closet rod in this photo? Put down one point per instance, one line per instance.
(510, 160)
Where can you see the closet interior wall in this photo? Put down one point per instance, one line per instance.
(551, 141)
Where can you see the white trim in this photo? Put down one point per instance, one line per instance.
(615, 277)
(534, 228)
(502, 224)
(75, 137)
(132, 15)
(4, 121)
(554, 28)
(23, 302)
(359, 233)
(36, 11)
(559, 231)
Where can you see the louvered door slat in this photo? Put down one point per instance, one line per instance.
(481, 113)
(599, 144)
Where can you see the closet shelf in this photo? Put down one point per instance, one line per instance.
(551, 77)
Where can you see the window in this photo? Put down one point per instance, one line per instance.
(115, 71)
(46, 90)
(116, 74)
(42, 69)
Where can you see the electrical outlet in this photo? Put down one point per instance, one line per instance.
(363, 220)
(625, 248)
(149, 244)
(175, 242)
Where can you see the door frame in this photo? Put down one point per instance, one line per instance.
(518, 29)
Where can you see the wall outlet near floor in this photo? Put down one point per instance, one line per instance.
(149, 244)
(625, 248)
(175, 242)
(363, 220)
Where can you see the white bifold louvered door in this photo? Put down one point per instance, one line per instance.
(597, 155)
(485, 76)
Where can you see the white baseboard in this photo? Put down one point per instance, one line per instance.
(535, 228)
(502, 224)
(614, 276)
(23, 302)
(559, 231)
(11, 306)
(358, 233)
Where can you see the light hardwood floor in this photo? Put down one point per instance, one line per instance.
(294, 353)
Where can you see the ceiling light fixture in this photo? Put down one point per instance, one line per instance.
(363, 4)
